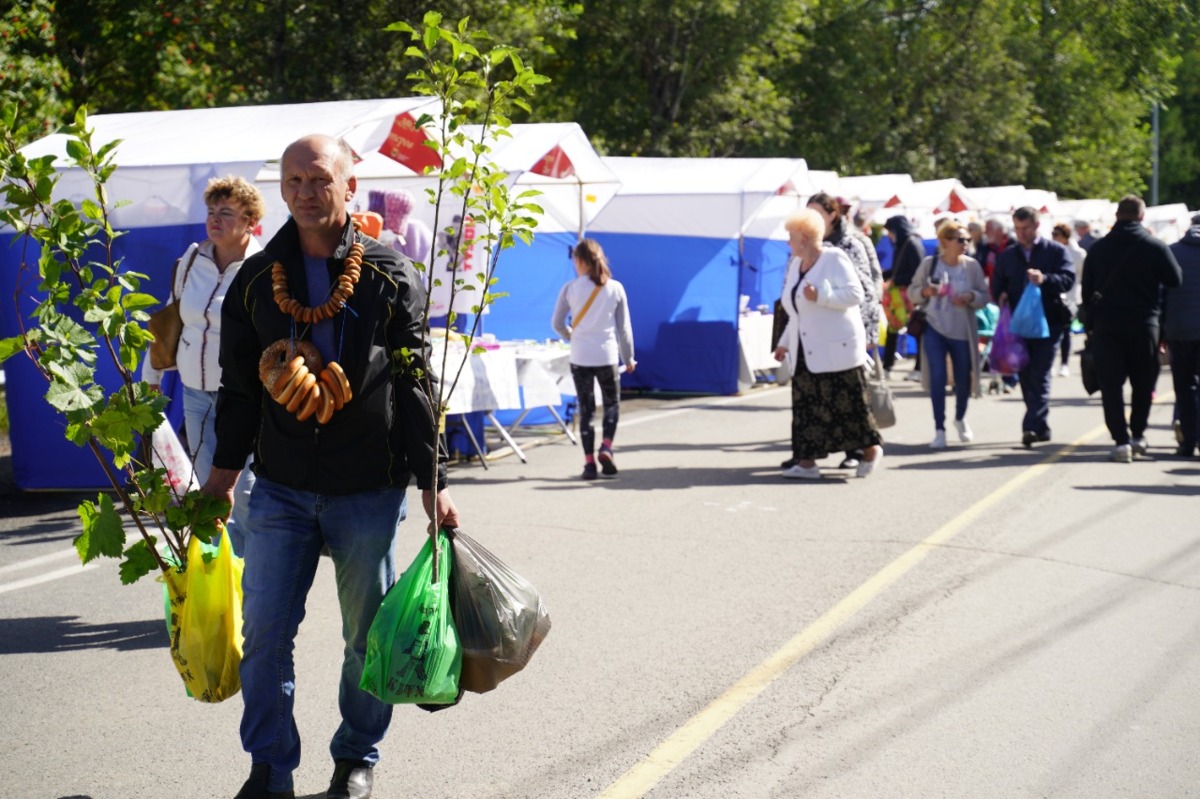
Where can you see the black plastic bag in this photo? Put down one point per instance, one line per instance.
(500, 617)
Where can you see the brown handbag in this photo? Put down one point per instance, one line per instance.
(166, 325)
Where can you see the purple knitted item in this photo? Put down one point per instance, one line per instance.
(399, 205)
(376, 202)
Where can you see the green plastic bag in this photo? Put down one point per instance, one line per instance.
(413, 652)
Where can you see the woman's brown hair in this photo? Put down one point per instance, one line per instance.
(589, 253)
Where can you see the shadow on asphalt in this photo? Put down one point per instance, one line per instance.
(46, 634)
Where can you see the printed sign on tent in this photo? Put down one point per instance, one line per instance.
(406, 144)
(471, 265)
(554, 164)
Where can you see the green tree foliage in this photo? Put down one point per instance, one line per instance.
(926, 89)
(1050, 93)
(28, 64)
(683, 77)
(1179, 173)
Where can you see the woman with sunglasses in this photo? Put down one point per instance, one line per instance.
(950, 286)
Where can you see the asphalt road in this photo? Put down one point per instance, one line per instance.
(985, 621)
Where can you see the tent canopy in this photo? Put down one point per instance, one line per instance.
(939, 196)
(709, 197)
(166, 158)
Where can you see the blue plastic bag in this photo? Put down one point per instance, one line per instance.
(1029, 317)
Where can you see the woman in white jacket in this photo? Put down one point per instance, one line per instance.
(601, 337)
(201, 278)
(827, 346)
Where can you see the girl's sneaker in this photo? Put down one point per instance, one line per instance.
(606, 462)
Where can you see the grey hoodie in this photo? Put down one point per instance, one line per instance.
(1182, 311)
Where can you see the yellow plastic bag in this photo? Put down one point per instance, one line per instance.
(204, 619)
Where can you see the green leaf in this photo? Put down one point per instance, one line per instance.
(73, 390)
(137, 301)
(10, 347)
(103, 533)
(139, 561)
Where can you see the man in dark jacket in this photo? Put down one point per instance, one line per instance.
(1045, 263)
(908, 250)
(1181, 328)
(1123, 283)
(336, 485)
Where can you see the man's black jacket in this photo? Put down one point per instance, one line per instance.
(387, 429)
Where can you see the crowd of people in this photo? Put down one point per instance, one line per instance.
(300, 358)
(1132, 296)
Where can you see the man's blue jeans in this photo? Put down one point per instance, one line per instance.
(199, 420)
(1035, 381)
(286, 531)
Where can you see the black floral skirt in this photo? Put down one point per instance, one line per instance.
(830, 412)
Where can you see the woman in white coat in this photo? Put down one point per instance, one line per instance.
(825, 342)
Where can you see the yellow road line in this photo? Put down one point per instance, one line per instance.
(674, 750)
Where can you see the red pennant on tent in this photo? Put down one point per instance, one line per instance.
(957, 206)
(786, 188)
(554, 164)
(405, 144)
(892, 203)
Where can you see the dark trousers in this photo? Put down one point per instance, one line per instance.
(889, 351)
(1127, 353)
(1035, 381)
(1185, 373)
(1066, 346)
(610, 392)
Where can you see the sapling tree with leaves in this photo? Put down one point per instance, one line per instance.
(477, 86)
(88, 308)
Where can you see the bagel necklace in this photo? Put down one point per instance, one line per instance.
(292, 371)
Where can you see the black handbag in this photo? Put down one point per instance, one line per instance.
(916, 322)
(778, 324)
(1087, 368)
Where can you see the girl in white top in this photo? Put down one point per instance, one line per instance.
(601, 337)
(202, 277)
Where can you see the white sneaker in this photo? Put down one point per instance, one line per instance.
(887, 375)
(939, 440)
(965, 433)
(866, 467)
(1064, 371)
(798, 472)
(1122, 453)
(914, 375)
(1139, 446)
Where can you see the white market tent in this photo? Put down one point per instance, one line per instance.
(872, 191)
(1168, 222)
(166, 157)
(675, 237)
(946, 196)
(164, 162)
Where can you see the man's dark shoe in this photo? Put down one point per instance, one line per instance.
(1029, 438)
(256, 785)
(351, 780)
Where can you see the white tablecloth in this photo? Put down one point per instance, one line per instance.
(493, 380)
